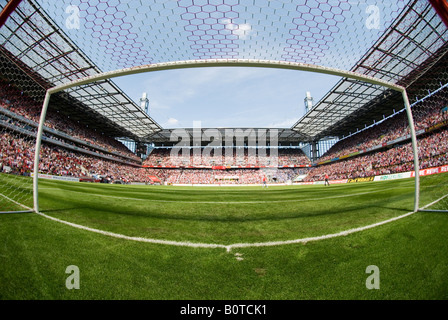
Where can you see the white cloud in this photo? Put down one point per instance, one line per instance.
(241, 30)
(171, 122)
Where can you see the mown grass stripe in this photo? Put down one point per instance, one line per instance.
(235, 202)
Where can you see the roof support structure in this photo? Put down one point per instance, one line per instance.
(441, 7)
(31, 35)
(7, 10)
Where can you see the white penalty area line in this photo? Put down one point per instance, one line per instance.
(236, 245)
(139, 239)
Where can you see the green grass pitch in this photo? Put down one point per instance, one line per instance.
(411, 253)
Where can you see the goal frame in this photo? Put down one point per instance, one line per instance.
(225, 63)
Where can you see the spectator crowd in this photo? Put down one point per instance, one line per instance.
(13, 100)
(432, 145)
(227, 156)
(17, 151)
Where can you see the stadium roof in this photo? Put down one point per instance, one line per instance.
(414, 42)
(396, 41)
(31, 38)
(212, 136)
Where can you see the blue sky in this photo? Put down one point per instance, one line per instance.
(227, 96)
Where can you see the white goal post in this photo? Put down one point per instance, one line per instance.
(226, 63)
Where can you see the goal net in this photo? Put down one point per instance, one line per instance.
(19, 118)
(430, 110)
(388, 109)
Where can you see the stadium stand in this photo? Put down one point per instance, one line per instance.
(82, 153)
(167, 157)
(72, 148)
(16, 106)
(389, 145)
(392, 128)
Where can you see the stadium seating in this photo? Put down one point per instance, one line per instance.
(72, 150)
(25, 108)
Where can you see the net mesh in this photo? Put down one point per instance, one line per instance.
(118, 34)
(47, 43)
(18, 129)
(430, 111)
